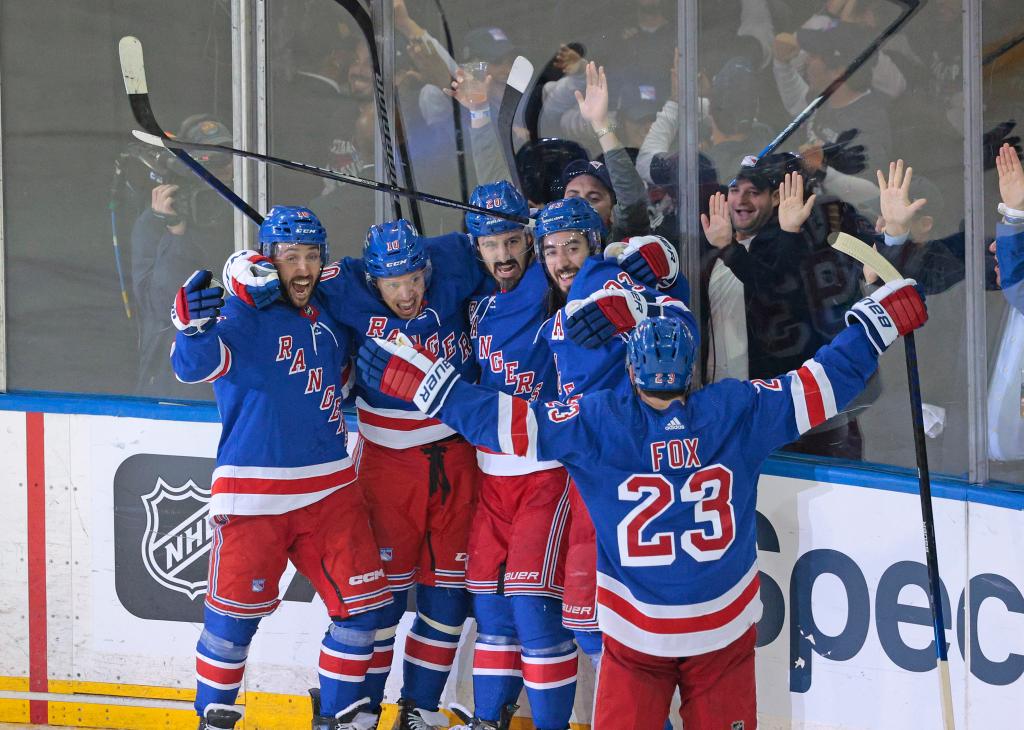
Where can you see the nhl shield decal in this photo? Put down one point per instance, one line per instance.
(176, 542)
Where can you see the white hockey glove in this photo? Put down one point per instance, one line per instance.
(197, 304)
(890, 312)
(251, 277)
(603, 315)
(407, 372)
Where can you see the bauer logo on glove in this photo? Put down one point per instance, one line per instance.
(892, 311)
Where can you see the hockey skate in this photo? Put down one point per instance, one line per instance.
(351, 718)
(475, 723)
(219, 717)
(411, 717)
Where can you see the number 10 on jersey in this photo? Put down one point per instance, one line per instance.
(710, 488)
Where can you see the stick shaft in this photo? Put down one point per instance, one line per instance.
(928, 522)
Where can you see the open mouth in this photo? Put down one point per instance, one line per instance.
(406, 309)
(506, 268)
(566, 277)
(301, 290)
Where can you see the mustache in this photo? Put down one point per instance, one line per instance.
(567, 270)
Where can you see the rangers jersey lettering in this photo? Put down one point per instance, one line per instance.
(442, 328)
(673, 508)
(272, 369)
(512, 359)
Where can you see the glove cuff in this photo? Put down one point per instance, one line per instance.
(435, 386)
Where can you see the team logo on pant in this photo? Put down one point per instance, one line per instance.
(177, 539)
(386, 554)
(737, 725)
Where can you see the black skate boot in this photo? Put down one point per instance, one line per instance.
(219, 717)
(352, 717)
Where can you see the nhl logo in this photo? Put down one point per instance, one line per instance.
(177, 537)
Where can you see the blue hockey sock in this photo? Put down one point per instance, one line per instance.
(383, 650)
(432, 642)
(220, 658)
(345, 655)
(590, 643)
(549, 660)
(497, 669)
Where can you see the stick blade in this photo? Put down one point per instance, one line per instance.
(150, 139)
(865, 254)
(520, 75)
(133, 69)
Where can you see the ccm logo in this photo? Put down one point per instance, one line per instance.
(523, 575)
(357, 580)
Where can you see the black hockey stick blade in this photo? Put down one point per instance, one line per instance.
(518, 80)
(362, 18)
(909, 8)
(171, 143)
(133, 70)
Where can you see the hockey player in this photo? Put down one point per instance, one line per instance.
(518, 537)
(673, 494)
(418, 475)
(584, 338)
(284, 487)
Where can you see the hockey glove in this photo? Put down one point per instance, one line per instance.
(651, 260)
(844, 157)
(601, 316)
(197, 304)
(252, 278)
(890, 312)
(406, 372)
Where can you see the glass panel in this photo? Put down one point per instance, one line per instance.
(67, 130)
(774, 297)
(1002, 87)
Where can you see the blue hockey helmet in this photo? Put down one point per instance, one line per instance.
(569, 214)
(661, 352)
(502, 196)
(394, 248)
(292, 224)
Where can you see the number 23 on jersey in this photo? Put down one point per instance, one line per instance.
(710, 488)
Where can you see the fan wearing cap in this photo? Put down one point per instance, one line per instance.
(184, 224)
(758, 310)
(853, 106)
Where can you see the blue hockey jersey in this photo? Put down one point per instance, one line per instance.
(585, 370)
(280, 376)
(442, 327)
(503, 327)
(672, 492)
(1010, 256)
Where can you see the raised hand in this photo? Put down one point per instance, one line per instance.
(652, 260)
(594, 106)
(1011, 178)
(793, 211)
(890, 312)
(716, 223)
(894, 198)
(252, 278)
(471, 98)
(197, 304)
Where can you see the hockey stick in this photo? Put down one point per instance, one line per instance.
(133, 69)
(365, 23)
(518, 79)
(910, 7)
(868, 256)
(381, 187)
(460, 143)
